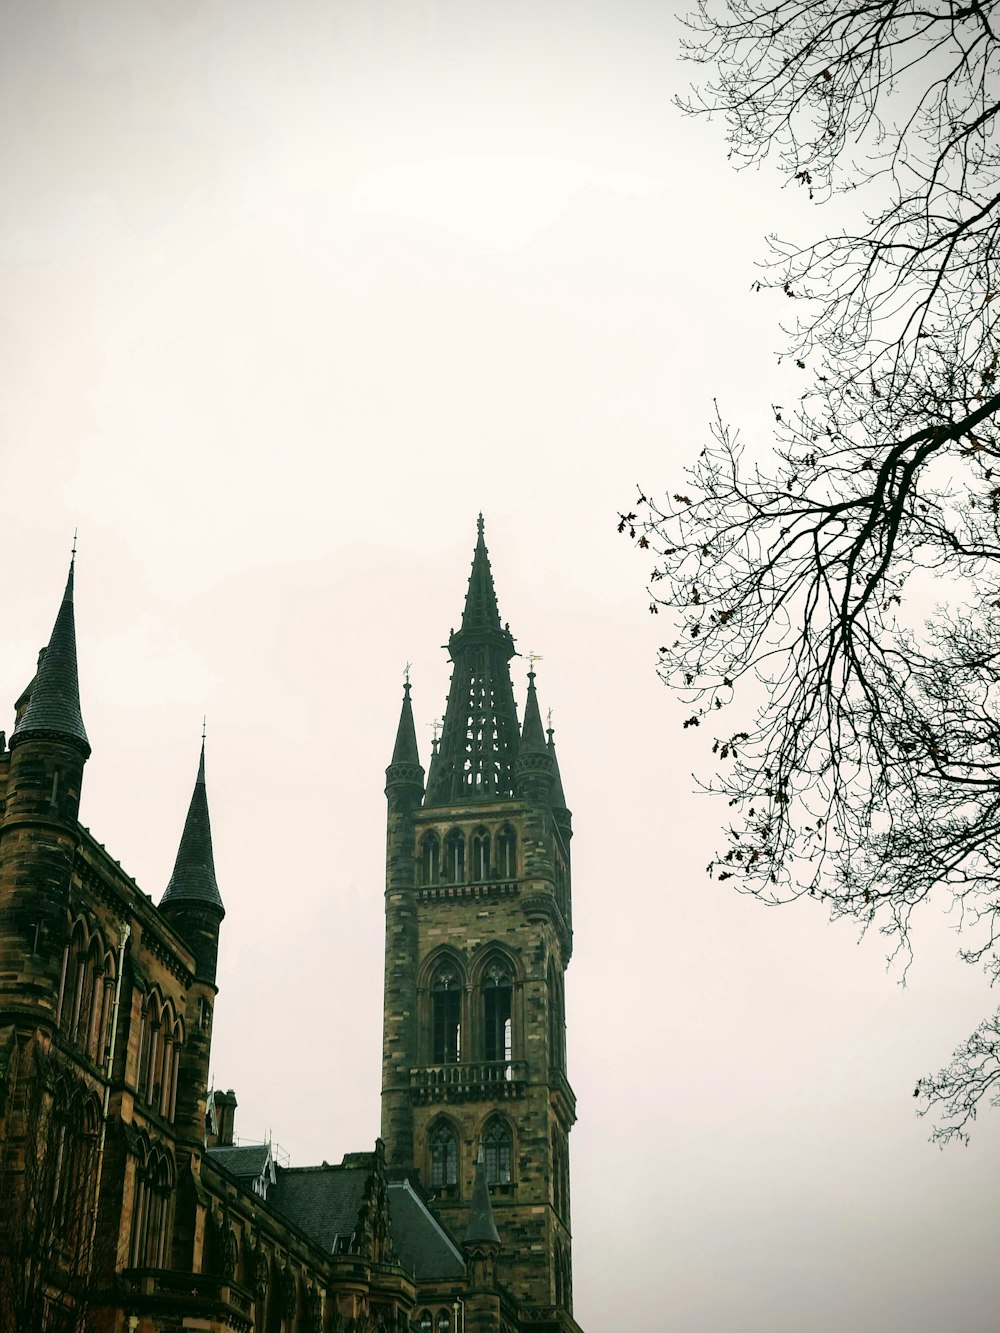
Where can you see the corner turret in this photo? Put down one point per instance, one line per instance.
(404, 778)
(481, 1246)
(191, 901)
(534, 771)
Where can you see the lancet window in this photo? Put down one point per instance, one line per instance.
(446, 1018)
(498, 1152)
(454, 857)
(497, 992)
(444, 1156)
(430, 858)
(151, 1211)
(479, 856)
(506, 853)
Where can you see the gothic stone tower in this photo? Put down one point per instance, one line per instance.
(478, 937)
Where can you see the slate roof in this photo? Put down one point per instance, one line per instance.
(323, 1202)
(246, 1162)
(421, 1243)
(54, 704)
(193, 879)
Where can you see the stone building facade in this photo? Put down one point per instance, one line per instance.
(126, 1200)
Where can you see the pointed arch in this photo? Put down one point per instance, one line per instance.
(479, 856)
(506, 852)
(454, 857)
(443, 1155)
(498, 1150)
(430, 858)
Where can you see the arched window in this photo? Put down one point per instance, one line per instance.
(430, 860)
(498, 1153)
(557, 1021)
(479, 852)
(73, 979)
(149, 1047)
(75, 1122)
(507, 853)
(497, 995)
(444, 1156)
(443, 1322)
(454, 857)
(446, 1018)
(151, 1211)
(426, 1323)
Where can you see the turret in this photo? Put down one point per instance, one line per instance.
(534, 772)
(481, 1245)
(191, 901)
(38, 823)
(192, 904)
(49, 746)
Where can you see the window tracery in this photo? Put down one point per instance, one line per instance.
(444, 1156)
(446, 1017)
(498, 1152)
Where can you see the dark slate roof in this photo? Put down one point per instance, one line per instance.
(405, 750)
(322, 1201)
(246, 1162)
(481, 1229)
(424, 1248)
(194, 879)
(54, 705)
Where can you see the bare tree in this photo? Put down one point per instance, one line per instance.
(862, 761)
(47, 1194)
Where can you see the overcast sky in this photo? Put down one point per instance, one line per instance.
(289, 293)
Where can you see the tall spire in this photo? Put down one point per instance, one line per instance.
(479, 739)
(534, 770)
(53, 709)
(193, 880)
(482, 1229)
(404, 767)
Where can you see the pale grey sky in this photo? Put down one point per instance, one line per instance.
(289, 294)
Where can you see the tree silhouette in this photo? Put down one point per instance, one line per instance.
(855, 736)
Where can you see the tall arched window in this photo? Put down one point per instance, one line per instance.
(557, 1021)
(454, 857)
(443, 1322)
(446, 1018)
(73, 979)
(151, 1211)
(75, 1123)
(479, 856)
(507, 853)
(426, 1323)
(430, 858)
(498, 1152)
(444, 1156)
(497, 997)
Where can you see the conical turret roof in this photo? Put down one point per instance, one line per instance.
(53, 708)
(532, 735)
(557, 796)
(194, 879)
(405, 767)
(481, 1229)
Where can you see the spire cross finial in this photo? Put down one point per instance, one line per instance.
(204, 719)
(532, 659)
(436, 724)
(479, 524)
(406, 673)
(73, 552)
(548, 719)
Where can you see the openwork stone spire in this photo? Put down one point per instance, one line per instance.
(54, 706)
(479, 739)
